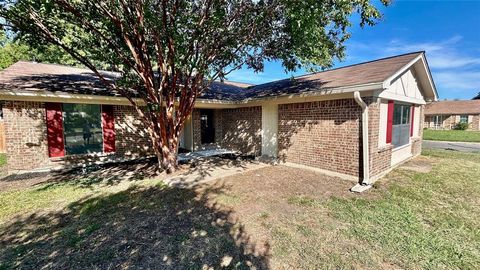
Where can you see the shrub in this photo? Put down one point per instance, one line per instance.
(461, 126)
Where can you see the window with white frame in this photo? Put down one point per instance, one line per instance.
(401, 125)
(437, 121)
(464, 119)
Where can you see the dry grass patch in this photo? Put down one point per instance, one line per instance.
(275, 217)
(424, 215)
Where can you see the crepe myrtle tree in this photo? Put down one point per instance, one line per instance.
(169, 51)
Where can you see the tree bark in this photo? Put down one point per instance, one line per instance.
(169, 157)
(165, 149)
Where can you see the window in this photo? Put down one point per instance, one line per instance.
(437, 121)
(82, 128)
(401, 125)
(464, 119)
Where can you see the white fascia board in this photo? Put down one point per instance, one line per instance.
(430, 79)
(402, 98)
(389, 80)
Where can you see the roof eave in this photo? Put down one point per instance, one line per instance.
(46, 96)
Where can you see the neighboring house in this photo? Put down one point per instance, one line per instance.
(446, 114)
(56, 115)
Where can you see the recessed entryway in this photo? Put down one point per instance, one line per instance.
(207, 126)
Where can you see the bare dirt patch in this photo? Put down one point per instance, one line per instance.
(281, 207)
(421, 164)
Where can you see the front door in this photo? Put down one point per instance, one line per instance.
(207, 131)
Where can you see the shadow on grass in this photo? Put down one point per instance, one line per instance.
(110, 174)
(155, 227)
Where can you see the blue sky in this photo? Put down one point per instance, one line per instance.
(449, 32)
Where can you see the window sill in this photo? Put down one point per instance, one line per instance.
(384, 148)
(402, 147)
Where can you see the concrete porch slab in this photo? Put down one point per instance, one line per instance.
(204, 153)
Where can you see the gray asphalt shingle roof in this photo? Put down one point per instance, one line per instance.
(31, 76)
(453, 107)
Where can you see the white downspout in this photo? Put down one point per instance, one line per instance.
(365, 148)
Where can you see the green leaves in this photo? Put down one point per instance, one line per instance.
(170, 51)
(207, 35)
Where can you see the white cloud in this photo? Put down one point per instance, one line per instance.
(451, 61)
(466, 80)
(441, 54)
(455, 66)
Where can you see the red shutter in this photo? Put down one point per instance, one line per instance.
(108, 125)
(412, 124)
(56, 146)
(391, 106)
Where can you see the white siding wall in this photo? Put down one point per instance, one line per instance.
(400, 154)
(269, 130)
(405, 89)
(186, 137)
(406, 86)
(382, 132)
(416, 121)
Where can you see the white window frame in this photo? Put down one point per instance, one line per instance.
(402, 128)
(437, 121)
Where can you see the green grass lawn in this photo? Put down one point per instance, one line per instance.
(428, 221)
(451, 135)
(410, 220)
(3, 159)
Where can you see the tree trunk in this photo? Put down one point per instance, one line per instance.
(169, 156)
(166, 150)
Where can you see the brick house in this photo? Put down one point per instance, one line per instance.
(356, 122)
(446, 114)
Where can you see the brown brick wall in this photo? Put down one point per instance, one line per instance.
(27, 147)
(416, 146)
(196, 125)
(422, 117)
(25, 135)
(242, 129)
(131, 136)
(475, 123)
(380, 157)
(449, 122)
(427, 123)
(323, 134)
(235, 129)
(218, 125)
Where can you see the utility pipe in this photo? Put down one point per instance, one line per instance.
(365, 149)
